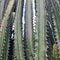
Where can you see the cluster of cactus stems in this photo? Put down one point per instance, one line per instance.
(30, 30)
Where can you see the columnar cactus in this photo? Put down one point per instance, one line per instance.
(31, 31)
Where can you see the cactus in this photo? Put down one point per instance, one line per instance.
(30, 30)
